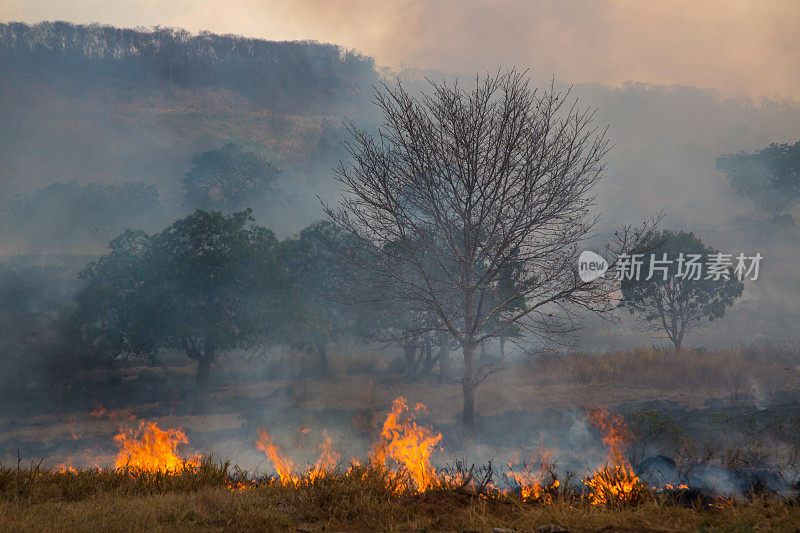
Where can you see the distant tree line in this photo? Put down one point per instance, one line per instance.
(212, 282)
(770, 177)
(299, 76)
(208, 283)
(66, 215)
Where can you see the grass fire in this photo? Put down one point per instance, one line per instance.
(149, 448)
(469, 266)
(397, 476)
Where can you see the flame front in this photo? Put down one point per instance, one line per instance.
(402, 455)
(150, 448)
(533, 486)
(616, 482)
(408, 445)
(327, 459)
(283, 465)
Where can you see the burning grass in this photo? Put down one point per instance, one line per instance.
(616, 482)
(407, 447)
(151, 448)
(154, 485)
(360, 498)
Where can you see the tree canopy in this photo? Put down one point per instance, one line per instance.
(228, 179)
(669, 308)
(207, 283)
(464, 185)
(317, 310)
(770, 176)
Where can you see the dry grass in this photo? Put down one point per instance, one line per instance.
(362, 499)
(35, 484)
(725, 372)
(270, 509)
(202, 499)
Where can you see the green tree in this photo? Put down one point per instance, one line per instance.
(509, 300)
(228, 179)
(318, 310)
(770, 176)
(207, 283)
(671, 307)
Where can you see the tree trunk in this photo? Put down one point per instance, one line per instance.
(469, 384)
(425, 362)
(444, 363)
(502, 346)
(410, 352)
(203, 369)
(678, 342)
(322, 353)
(204, 360)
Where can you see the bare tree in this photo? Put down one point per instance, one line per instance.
(459, 187)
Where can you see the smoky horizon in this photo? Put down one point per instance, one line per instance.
(355, 277)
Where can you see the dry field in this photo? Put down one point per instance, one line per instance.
(734, 410)
(203, 500)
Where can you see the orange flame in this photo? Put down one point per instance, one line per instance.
(408, 445)
(679, 487)
(615, 432)
(150, 448)
(283, 465)
(533, 486)
(617, 481)
(327, 459)
(66, 466)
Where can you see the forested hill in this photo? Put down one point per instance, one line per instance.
(296, 77)
(88, 110)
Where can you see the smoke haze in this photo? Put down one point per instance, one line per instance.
(737, 48)
(678, 85)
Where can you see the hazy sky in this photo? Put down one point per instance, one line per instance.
(738, 47)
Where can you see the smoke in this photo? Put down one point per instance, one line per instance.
(666, 139)
(737, 47)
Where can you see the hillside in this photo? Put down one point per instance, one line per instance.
(96, 104)
(285, 76)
